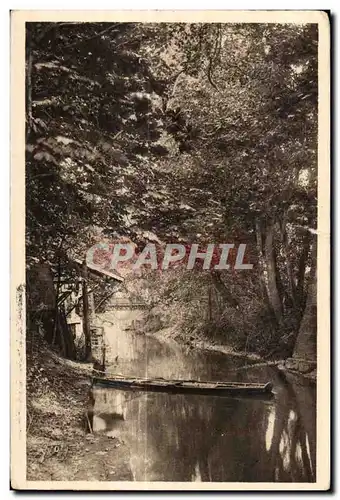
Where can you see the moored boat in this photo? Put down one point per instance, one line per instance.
(186, 386)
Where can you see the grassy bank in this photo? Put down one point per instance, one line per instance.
(300, 367)
(59, 444)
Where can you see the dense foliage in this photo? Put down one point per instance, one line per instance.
(190, 132)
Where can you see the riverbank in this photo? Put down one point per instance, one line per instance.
(301, 367)
(297, 366)
(60, 446)
(194, 342)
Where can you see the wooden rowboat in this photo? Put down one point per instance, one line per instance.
(186, 386)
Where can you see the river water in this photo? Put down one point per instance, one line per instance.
(207, 438)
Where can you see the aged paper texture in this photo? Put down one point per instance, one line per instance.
(170, 271)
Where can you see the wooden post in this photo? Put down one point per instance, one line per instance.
(92, 312)
(86, 318)
(103, 354)
(209, 304)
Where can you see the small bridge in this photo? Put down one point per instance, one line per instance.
(125, 303)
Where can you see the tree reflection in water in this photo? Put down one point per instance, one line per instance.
(204, 438)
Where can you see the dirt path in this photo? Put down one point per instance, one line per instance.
(59, 445)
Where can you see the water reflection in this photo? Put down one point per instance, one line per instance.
(205, 438)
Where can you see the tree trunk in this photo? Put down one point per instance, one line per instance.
(273, 292)
(300, 286)
(305, 346)
(66, 337)
(86, 318)
(223, 290)
(290, 277)
(266, 257)
(262, 263)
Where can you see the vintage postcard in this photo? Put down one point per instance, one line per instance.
(170, 321)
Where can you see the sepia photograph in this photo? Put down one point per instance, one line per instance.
(170, 234)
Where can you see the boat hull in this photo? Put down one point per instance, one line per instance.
(179, 387)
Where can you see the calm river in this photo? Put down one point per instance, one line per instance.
(207, 438)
